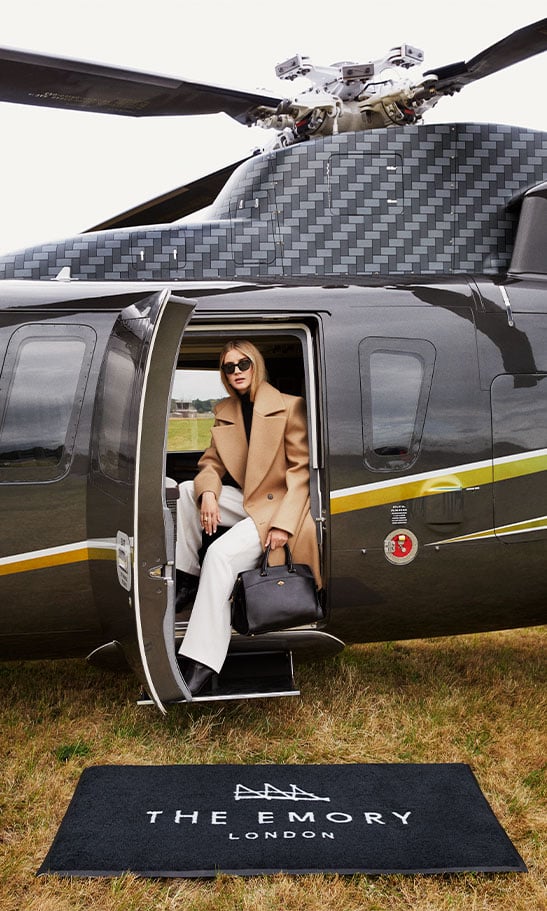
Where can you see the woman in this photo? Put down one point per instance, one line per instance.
(253, 478)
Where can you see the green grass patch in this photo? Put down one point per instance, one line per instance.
(71, 750)
(189, 434)
(537, 781)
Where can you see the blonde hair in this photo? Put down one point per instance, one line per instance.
(247, 348)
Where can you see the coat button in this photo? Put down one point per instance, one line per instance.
(270, 496)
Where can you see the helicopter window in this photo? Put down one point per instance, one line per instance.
(47, 370)
(115, 440)
(395, 381)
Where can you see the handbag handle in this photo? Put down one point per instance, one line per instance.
(288, 560)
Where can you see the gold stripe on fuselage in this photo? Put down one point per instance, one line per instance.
(63, 555)
(348, 499)
(430, 483)
(516, 528)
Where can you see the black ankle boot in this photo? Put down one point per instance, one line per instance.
(196, 675)
(187, 586)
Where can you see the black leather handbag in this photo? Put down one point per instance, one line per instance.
(271, 598)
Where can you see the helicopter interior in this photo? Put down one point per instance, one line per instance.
(288, 353)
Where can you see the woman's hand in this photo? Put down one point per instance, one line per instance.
(276, 538)
(209, 513)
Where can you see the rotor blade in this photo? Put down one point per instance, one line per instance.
(524, 43)
(173, 205)
(57, 82)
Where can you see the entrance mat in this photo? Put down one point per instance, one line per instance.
(199, 820)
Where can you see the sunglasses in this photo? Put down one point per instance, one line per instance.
(242, 365)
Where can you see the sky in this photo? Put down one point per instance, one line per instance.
(64, 171)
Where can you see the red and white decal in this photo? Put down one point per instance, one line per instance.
(400, 546)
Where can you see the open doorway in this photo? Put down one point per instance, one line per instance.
(289, 352)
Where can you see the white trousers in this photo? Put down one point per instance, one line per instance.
(209, 629)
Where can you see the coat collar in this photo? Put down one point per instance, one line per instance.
(268, 400)
(249, 466)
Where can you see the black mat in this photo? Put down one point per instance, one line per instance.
(196, 821)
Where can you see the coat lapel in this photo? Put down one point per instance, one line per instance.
(230, 439)
(269, 419)
(249, 465)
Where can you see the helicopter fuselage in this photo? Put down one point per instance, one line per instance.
(387, 281)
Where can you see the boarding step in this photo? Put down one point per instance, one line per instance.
(249, 675)
(306, 643)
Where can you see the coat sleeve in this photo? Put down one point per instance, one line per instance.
(297, 478)
(211, 471)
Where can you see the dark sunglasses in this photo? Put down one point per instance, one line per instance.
(242, 365)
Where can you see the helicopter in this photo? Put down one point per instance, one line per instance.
(391, 272)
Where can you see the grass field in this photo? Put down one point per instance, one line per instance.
(474, 699)
(189, 434)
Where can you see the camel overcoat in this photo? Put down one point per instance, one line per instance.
(272, 470)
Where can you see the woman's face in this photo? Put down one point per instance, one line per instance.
(240, 380)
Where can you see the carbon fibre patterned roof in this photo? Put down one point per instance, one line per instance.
(420, 200)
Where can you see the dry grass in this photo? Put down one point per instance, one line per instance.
(467, 699)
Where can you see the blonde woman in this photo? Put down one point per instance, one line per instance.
(253, 478)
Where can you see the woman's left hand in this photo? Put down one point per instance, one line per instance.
(276, 538)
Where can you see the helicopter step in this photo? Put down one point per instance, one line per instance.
(248, 675)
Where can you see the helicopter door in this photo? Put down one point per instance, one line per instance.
(127, 499)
